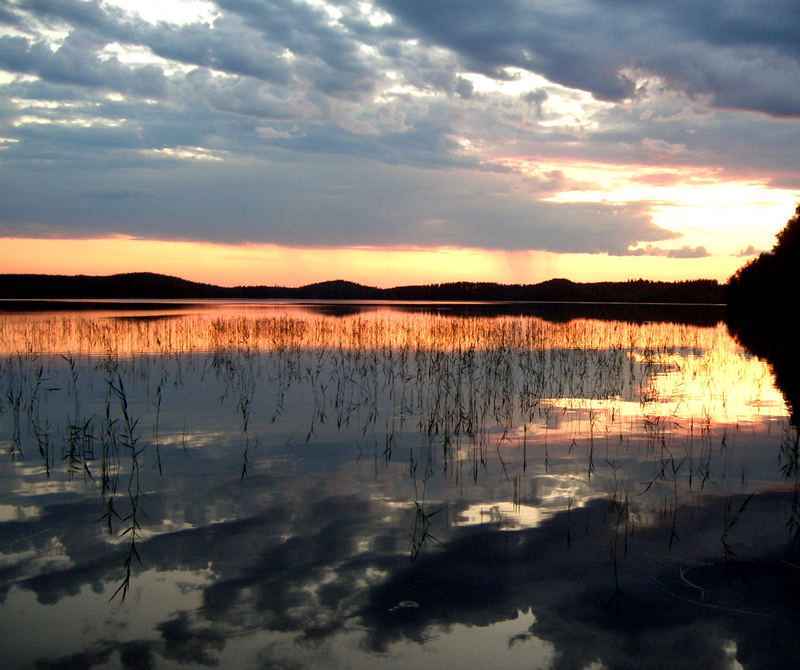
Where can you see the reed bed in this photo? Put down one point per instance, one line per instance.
(447, 394)
(108, 335)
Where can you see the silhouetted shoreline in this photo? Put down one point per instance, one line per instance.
(151, 286)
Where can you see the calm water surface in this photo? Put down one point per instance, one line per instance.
(284, 486)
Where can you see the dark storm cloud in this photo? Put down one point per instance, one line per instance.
(698, 47)
(75, 63)
(229, 47)
(336, 66)
(271, 95)
(249, 40)
(7, 16)
(705, 47)
(332, 203)
(494, 36)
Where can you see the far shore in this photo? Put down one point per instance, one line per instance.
(149, 286)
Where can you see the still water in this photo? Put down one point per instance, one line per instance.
(291, 486)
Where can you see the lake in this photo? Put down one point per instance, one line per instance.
(275, 485)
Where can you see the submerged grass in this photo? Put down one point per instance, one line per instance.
(581, 399)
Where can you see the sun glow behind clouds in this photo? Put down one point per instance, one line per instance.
(706, 209)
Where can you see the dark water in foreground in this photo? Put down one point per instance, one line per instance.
(286, 487)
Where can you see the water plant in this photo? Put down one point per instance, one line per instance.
(627, 410)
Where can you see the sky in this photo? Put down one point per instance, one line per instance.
(395, 142)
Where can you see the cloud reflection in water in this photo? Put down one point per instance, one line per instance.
(593, 491)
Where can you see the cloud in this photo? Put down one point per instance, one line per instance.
(326, 118)
(750, 250)
(294, 550)
(76, 63)
(682, 252)
(536, 99)
(702, 48)
(301, 573)
(336, 202)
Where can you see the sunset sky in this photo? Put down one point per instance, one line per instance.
(393, 142)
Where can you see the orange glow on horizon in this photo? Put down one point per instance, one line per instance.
(270, 264)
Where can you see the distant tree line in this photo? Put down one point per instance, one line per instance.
(144, 285)
(564, 290)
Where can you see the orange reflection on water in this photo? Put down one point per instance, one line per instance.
(719, 383)
(675, 370)
(171, 331)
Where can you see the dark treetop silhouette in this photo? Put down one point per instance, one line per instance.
(762, 305)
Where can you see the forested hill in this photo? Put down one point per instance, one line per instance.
(144, 285)
(761, 310)
(767, 286)
(563, 290)
(132, 285)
